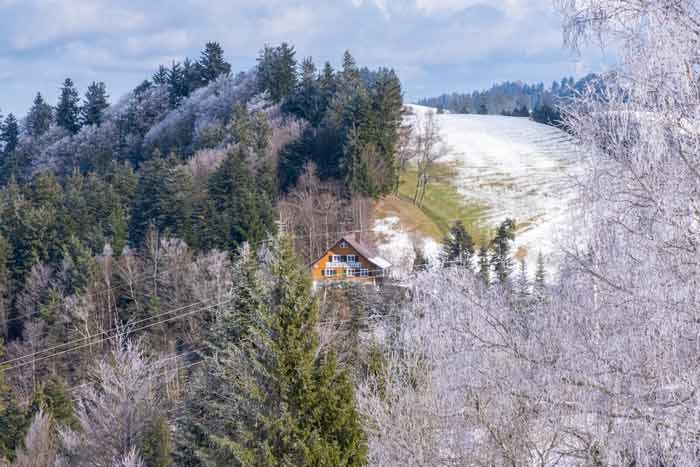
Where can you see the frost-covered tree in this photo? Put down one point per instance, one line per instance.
(458, 247)
(116, 410)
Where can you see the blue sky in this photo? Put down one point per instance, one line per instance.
(435, 45)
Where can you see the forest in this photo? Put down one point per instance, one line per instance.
(157, 310)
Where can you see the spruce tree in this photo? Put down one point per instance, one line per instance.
(160, 77)
(9, 134)
(484, 264)
(10, 163)
(458, 247)
(266, 398)
(276, 71)
(39, 117)
(94, 104)
(501, 260)
(177, 84)
(212, 63)
(67, 110)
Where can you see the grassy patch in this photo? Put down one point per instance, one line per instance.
(442, 205)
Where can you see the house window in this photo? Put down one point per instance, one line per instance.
(336, 258)
(352, 259)
(351, 272)
(343, 244)
(364, 272)
(329, 272)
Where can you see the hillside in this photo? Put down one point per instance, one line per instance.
(496, 167)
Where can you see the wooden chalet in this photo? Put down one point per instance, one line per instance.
(349, 260)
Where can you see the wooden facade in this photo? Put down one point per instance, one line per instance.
(349, 260)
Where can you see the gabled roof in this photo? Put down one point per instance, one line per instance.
(362, 250)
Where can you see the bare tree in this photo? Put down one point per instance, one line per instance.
(429, 147)
(115, 411)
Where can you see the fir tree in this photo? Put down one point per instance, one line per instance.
(10, 163)
(67, 110)
(458, 247)
(161, 76)
(276, 71)
(501, 259)
(177, 84)
(39, 118)
(212, 63)
(483, 110)
(94, 104)
(282, 405)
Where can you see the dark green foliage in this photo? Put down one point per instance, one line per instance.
(501, 260)
(458, 247)
(483, 110)
(157, 446)
(266, 398)
(53, 397)
(13, 420)
(68, 110)
(177, 84)
(162, 200)
(547, 114)
(11, 164)
(39, 118)
(9, 135)
(161, 76)
(95, 104)
(238, 209)
(212, 63)
(277, 71)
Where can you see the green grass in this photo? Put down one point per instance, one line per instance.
(443, 204)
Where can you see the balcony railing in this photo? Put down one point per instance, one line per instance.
(340, 264)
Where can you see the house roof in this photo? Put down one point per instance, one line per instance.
(361, 249)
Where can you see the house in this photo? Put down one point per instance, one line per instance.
(349, 260)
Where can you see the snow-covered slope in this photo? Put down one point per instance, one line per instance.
(519, 168)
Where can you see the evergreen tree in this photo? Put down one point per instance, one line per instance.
(280, 404)
(39, 118)
(350, 73)
(177, 84)
(484, 264)
(483, 110)
(10, 163)
(67, 110)
(94, 104)
(501, 259)
(458, 247)
(13, 420)
(276, 71)
(212, 63)
(236, 209)
(162, 200)
(161, 76)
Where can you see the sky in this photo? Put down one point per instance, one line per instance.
(436, 46)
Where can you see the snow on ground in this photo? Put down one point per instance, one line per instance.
(521, 169)
(397, 245)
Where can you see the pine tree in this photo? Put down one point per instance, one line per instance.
(13, 421)
(501, 259)
(39, 118)
(67, 110)
(282, 405)
(94, 104)
(484, 264)
(350, 74)
(212, 63)
(458, 247)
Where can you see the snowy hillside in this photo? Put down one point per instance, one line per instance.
(516, 167)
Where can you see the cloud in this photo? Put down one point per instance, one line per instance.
(436, 45)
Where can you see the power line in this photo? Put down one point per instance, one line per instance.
(116, 328)
(19, 365)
